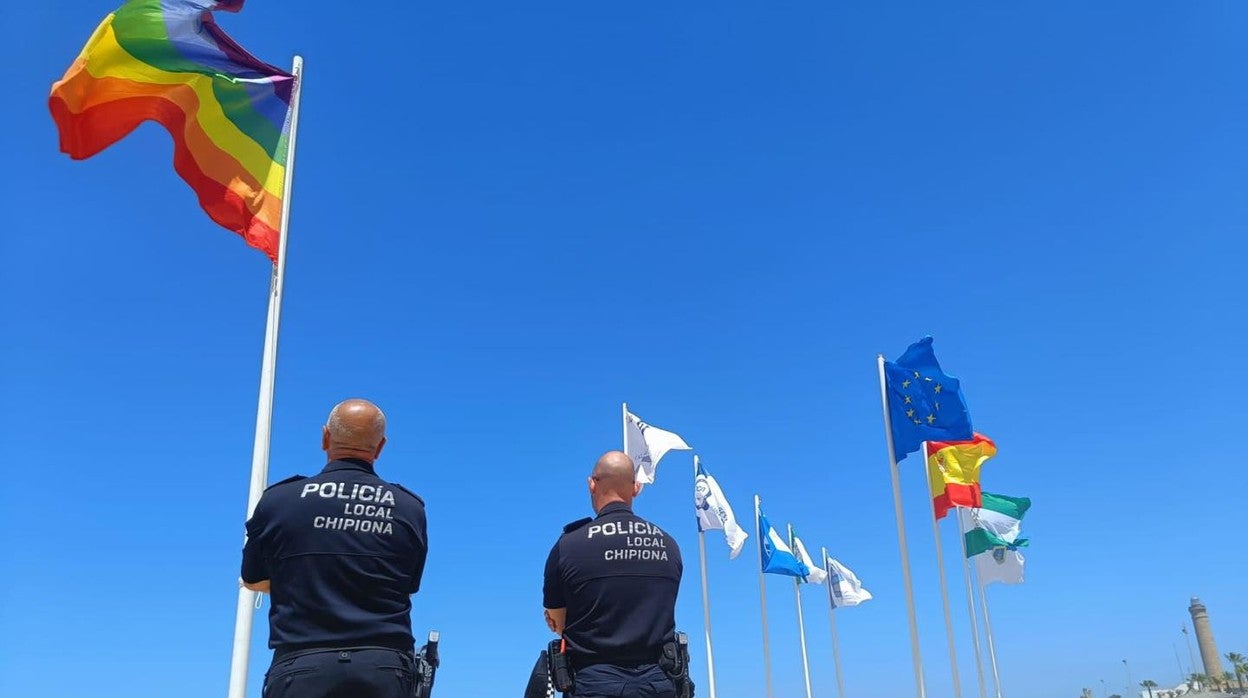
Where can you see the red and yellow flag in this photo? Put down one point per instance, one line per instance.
(953, 472)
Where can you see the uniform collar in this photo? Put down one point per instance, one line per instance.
(349, 464)
(614, 507)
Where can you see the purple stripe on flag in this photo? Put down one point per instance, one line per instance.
(196, 36)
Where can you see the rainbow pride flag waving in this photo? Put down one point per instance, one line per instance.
(228, 113)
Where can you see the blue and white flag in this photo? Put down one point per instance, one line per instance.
(713, 511)
(844, 589)
(777, 557)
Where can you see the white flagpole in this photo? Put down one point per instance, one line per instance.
(245, 612)
(992, 646)
(970, 608)
(706, 596)
(801, 624)
(624, 423)
(762, 595)
(920, 688)
(944, 584)
(836, 645)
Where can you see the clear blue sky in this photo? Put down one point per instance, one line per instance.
(508, 218)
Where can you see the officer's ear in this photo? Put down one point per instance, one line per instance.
(325, 439)
(593, 485)
(636, 489)
(379, 447)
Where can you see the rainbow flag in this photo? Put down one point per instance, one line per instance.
(229, 113)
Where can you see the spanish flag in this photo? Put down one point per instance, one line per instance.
(953, 472)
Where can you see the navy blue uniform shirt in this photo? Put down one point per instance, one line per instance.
(618, 576)
(344, 551)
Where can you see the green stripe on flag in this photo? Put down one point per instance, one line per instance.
(1013, 507)
(979, 541)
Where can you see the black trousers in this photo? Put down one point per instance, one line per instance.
(342, 673)
(608, 681)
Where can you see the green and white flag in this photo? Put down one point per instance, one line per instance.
(992, 538)
(1000, 515)
(816, 575)
(995, 560)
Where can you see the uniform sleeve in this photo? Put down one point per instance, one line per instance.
(422, 553)
(552, 584)
(255, 555)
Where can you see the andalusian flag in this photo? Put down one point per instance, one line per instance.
(1000, 515)
(815, 574)
(953, 472)
(992, 538)
(228, 112)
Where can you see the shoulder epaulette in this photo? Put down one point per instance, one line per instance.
(418, 497)
(292, 478)
(577, 524)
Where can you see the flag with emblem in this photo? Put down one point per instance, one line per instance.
(777, 556)
(844, 588)
(953, 472)
(647, 444)
(924, 403)
(815, 575)
(992, 538)
(995, 559)
(713, 511)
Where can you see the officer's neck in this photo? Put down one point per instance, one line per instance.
(599, 506)
(350, 454)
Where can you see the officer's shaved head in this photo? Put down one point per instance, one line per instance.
(355, 429)
(613, 480)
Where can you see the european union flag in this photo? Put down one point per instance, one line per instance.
(924, 403)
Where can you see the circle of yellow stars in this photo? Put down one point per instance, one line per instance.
(931, 418)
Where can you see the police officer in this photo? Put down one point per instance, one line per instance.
(341, 553)
(610, 591)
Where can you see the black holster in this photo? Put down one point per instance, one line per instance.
(427, 662)
(561, 674)
(675, 663)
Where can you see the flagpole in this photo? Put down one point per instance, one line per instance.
(245, 612)
(992, 646)
(836, 645)
(970, 608)
(706, 595)
(920, 688)
(624, 425)
(944, 583)
(983, 603)
(801, 624)
(762, 595)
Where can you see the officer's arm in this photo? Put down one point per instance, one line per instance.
(556, 608)
(555, 619)
(255, 571)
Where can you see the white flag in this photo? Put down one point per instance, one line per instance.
(647, 445)
(816, 575)
(843, 586)
(714, 512)
(1000, 564)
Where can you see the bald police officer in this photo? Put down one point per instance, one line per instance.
(610, 591)
(341, 553)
